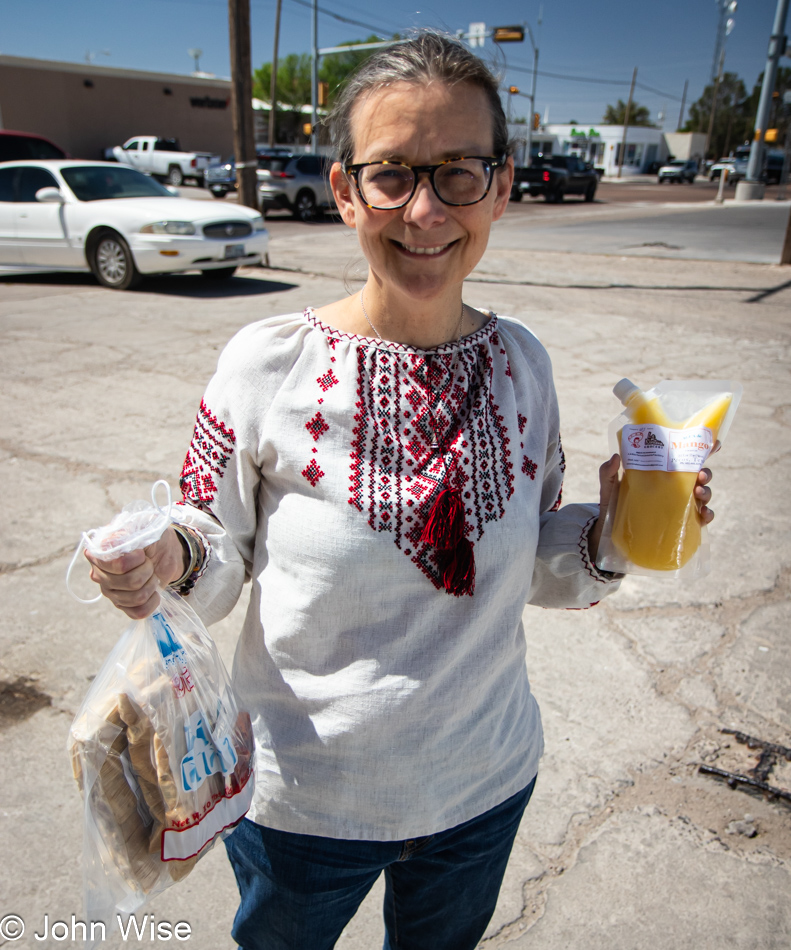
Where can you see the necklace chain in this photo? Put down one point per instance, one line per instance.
(457, 335)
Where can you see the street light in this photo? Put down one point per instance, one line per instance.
(725, 24)
(530, 125)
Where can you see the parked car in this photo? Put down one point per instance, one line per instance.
(16, 146)
(554, 177)
(737, 170)
(773, 167)
(678, 170)
(117, 223)
(220, 177)
(163, 158)
(301, 186)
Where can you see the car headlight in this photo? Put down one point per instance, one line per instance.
(168, 227)
(258, 223)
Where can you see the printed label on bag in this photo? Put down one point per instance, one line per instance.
(653, 448)
(207, 753)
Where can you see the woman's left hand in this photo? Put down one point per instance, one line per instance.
(608, 480)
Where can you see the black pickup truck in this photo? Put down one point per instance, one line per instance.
(554, 177)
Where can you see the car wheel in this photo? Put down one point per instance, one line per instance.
(221, 273)
(175, 177)
(112, 263)
(590, 192)
(305, 206)
(219, 193)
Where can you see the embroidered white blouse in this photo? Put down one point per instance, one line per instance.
(383, 707)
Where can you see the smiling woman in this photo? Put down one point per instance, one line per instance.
(388, 472)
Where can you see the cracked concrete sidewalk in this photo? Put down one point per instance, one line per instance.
(625, 845)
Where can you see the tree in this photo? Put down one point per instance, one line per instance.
(733, 119)
(293, 74)
(293, 80)
(779, 113)
(638, 115)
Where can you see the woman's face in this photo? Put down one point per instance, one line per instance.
(422, 124)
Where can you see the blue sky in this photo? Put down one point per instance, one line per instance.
(670, 41)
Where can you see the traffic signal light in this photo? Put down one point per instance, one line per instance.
(508, 34)
(536, 120)
(307, 128)
(513, 90)
(324, 92)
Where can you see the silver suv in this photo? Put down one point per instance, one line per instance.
(301, 185)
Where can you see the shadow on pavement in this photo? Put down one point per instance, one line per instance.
(178, 285)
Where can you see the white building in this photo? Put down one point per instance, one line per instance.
(601, 145)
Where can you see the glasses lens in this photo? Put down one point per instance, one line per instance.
(463, 182)
(385, 185)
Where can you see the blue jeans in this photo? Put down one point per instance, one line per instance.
(298, 892)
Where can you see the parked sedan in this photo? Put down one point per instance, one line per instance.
(678, 170)
(302, 186)
(118, 223)
(220, 177)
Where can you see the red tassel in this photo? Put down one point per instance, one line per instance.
(444, 528)
(458, 568)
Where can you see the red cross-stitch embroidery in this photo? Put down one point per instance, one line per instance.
(529, 468)
(522, 421)
(419, 427)
(207, 457)
(317, 426)
(312, 472)
(327, 381)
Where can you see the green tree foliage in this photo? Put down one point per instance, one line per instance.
(733, 119)
(293, 74)
(293, 80)
(779, 113)
(638, 115)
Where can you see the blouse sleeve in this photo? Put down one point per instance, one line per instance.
(222, 470)
(564, 574)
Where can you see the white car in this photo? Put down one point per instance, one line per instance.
(60, 215)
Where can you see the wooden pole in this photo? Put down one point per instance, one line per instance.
(242, 101)
(714, 105)
(626, 123)
(273, 83)
(785, 255)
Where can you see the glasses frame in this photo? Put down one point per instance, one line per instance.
(353, 172)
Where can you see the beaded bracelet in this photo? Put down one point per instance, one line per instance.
(196, 555)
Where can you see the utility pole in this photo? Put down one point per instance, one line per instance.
(314, 76)
(626, 123)
(714, 98)
(242, 101)
(683, 103)
(273, 82)
(777, 45)
(529, 156)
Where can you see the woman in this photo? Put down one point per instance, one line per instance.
(387, 471)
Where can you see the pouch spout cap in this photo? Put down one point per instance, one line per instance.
(624, 389)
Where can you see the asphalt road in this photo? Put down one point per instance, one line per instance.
(641, 219)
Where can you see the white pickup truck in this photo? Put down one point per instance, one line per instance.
(163, 158)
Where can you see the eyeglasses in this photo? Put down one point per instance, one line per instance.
(385, 186)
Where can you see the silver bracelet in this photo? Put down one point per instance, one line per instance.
(196, 554)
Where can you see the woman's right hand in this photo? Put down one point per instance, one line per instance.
(131, 582)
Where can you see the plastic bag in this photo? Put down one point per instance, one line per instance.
(664, 436)
(160, 750)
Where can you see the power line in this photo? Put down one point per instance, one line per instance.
(603, 82)
(343, 19)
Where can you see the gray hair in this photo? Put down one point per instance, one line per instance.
(429, 56)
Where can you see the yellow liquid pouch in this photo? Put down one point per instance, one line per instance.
(664, 436)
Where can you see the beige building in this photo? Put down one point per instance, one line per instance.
(85, 108)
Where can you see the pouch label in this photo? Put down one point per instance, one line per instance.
(653, 448)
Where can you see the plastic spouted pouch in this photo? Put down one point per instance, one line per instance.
(664, 437)
(160, 749)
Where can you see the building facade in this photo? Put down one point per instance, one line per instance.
(601, 146)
